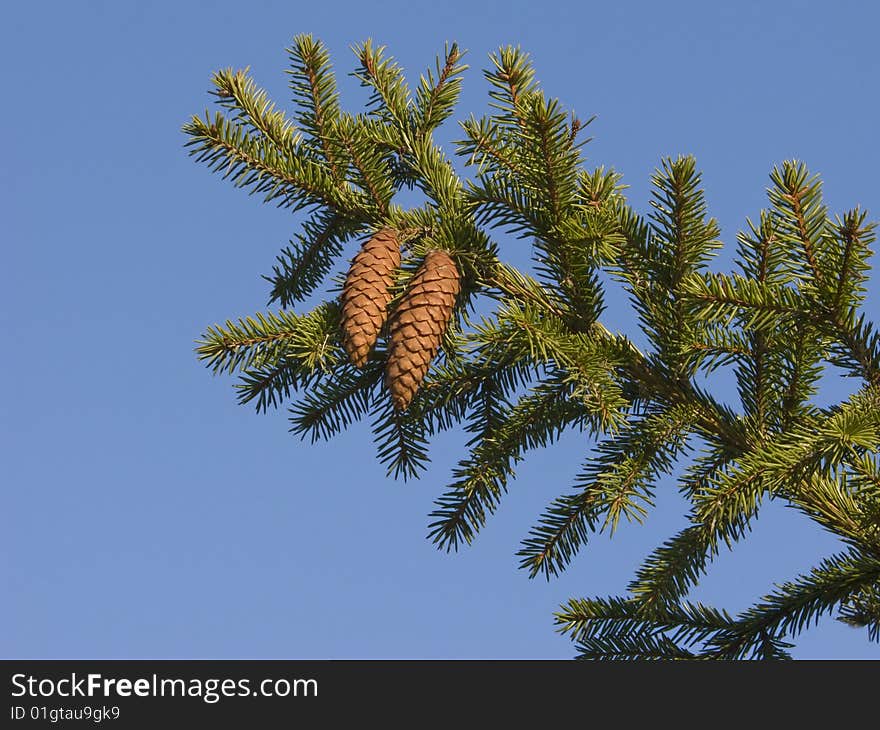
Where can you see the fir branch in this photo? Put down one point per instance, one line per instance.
(796, 198)
(781, 466)
(631, 646)
(536, 420)
(401, 443)
(390, 97)
(670, 571)
(336, 402)
(801, 367)
(758, 305)
(854, 238)
(237, 92)
(272, 383)
(759, 373)
(253, 342)
(542, 362)
(688, 624)
(372, 173)
(863, 611)
(796, 605)
(436, 97)
(619, 629)
(673, 568)
(503, 202)
(615, 483)
(302, 266)
(488, 146)
(518, 286)
(314, 90)
(250, 162)
(600, 189)
(550, 127)
(855, 346)
(839, 509)
(713, 347)
(511, 80)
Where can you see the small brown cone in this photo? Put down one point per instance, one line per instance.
(418, 325)
(365, 294)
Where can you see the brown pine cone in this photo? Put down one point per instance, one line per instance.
(418, 325)
(365, 294)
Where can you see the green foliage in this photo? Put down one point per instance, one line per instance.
(540, 361)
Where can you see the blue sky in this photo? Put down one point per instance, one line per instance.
(144, 513)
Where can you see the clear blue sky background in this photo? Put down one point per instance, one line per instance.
(144, 513)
